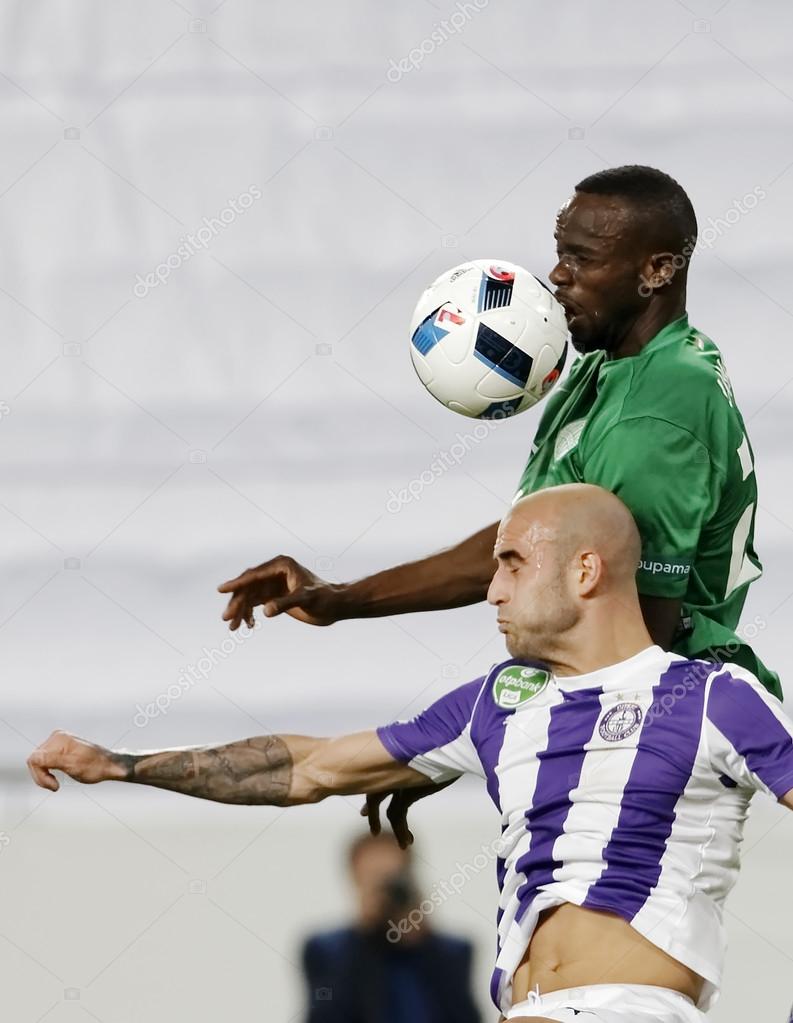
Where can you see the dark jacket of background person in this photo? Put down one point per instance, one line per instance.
(357, 977)
(355, 974)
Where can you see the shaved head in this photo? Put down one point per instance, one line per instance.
(566, 579)
(581, 517)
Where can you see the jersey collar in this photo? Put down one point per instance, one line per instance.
(672, 333)
(616, 675)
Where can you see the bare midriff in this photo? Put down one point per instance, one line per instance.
(575, 947)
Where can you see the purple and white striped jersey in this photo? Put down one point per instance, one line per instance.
(623, 790)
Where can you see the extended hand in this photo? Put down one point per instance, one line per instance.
(84, 761)
(281, 584)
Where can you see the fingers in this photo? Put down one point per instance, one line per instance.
(397, 814)
(252, 587)
(371, 810)
(238, 610)
(38, 765)
(266, 571)
(235, 584)
(229, 614)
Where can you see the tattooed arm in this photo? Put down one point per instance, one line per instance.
(276, 770)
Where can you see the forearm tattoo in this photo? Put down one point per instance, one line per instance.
(257, 770)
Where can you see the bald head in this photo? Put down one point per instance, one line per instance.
(566, 579)
(577, 517)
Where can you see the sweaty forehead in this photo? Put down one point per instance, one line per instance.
(590, 218)
(519, 536)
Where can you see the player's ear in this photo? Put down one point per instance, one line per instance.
(659, 270)
(590, 572)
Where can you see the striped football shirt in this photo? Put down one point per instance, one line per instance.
(624, 790)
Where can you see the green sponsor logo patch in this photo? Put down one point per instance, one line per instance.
(516, 685)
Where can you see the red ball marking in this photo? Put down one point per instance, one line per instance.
(449, 314)
(501, 275)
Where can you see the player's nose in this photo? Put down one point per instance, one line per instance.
(495, 593)
(560, 274)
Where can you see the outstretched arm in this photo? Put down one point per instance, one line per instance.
(275, 770)
(453, 577)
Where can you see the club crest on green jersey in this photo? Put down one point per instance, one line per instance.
(515, 685)
(567, 438)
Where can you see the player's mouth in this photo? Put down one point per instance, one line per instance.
(571, 310)
(502, 625)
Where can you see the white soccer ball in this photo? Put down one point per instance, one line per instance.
(487, 339)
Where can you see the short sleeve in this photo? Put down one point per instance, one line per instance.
(749, 736)
(437, 742)
(666, 478)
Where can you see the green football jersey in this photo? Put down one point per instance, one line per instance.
(661, 431)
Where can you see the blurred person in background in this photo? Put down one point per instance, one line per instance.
(375, 971)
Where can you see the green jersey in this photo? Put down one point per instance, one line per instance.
(661, 431)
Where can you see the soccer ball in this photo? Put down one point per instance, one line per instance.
(488, 340)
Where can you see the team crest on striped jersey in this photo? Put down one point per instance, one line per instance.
(620, 722)
(515, 685)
